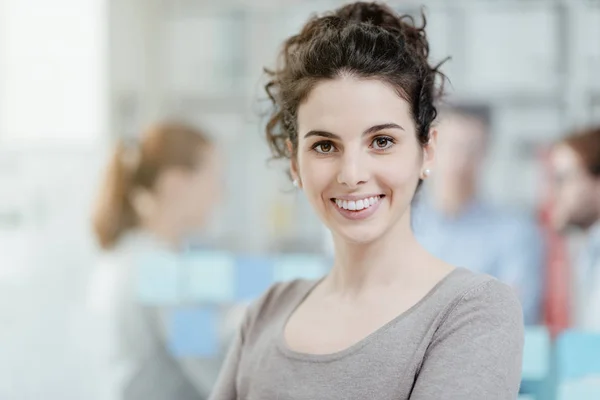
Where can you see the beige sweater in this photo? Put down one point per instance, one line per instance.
(462, 341)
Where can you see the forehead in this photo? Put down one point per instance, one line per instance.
(349, 105)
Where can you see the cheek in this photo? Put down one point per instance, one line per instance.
(571, 199)
(200, 194)
(316, 175)
(399, 171)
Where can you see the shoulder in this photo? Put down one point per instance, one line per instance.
(483, 302)
(475, 350)
(279, 299)
(105, 282)
(486, 292)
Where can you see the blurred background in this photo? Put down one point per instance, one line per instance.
(79, 76)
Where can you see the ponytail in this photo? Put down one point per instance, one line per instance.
(162, 146)
(114, 213)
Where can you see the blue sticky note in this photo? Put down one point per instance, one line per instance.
(582, 389)
(158, 278)
(210, 277)
(578, 355)
(192, 332)
(253, 275)
(536, 353)
(299, 266)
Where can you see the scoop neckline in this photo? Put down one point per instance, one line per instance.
(327, 357)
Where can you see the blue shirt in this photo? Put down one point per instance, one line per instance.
(487, 240)
(587, 275)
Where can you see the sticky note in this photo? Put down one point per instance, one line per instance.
(578, 355)
(158, 278)
(299, 266)
(209, 277)
(192, 332)
(536, 353)
(253, 276)
(580, 389)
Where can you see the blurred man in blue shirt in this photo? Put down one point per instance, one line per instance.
(456, 225)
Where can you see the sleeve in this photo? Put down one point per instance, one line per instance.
(225, 387)
(476, 353)
(521, 267)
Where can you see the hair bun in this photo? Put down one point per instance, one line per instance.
(385, 17)
(374, 13)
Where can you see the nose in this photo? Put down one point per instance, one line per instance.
(353, 170)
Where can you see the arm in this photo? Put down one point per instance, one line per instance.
(225, 387)
(476, 352)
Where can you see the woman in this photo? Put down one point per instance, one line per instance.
(353, 108)
(156, 193)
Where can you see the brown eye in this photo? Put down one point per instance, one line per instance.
(382, 143)
(324, 147)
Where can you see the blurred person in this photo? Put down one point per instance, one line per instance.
(156, 194)
(353, 107)
(576, 168)
(454, 223)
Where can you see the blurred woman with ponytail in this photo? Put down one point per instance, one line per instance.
(156, 193)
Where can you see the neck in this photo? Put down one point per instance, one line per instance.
(165, 232)
(381, 262)
(452, 198)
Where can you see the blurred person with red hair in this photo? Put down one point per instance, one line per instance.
(576, 168)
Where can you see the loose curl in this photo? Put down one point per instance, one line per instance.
(364, 40)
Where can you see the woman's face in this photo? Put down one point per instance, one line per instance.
(189, 196)
(358, 158)
(576, 191)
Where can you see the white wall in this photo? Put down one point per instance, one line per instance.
(53, 129)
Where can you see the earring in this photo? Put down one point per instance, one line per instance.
(426, 173)
(295, 183)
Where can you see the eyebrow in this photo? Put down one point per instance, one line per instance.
(371, 130)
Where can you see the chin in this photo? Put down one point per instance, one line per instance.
(359, 235)
(358, 231)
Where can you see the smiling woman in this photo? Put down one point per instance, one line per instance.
(353, 108)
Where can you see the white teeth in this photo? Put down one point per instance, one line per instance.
(356, 205)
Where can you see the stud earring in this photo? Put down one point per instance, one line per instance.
(295, 183)
(426, 173)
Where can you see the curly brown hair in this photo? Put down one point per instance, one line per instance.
(363, 40)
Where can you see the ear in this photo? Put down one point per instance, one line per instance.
(293, 163)
(143, 202)
(429, 151)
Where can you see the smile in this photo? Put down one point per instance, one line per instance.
(357, 205)
(357, 208)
